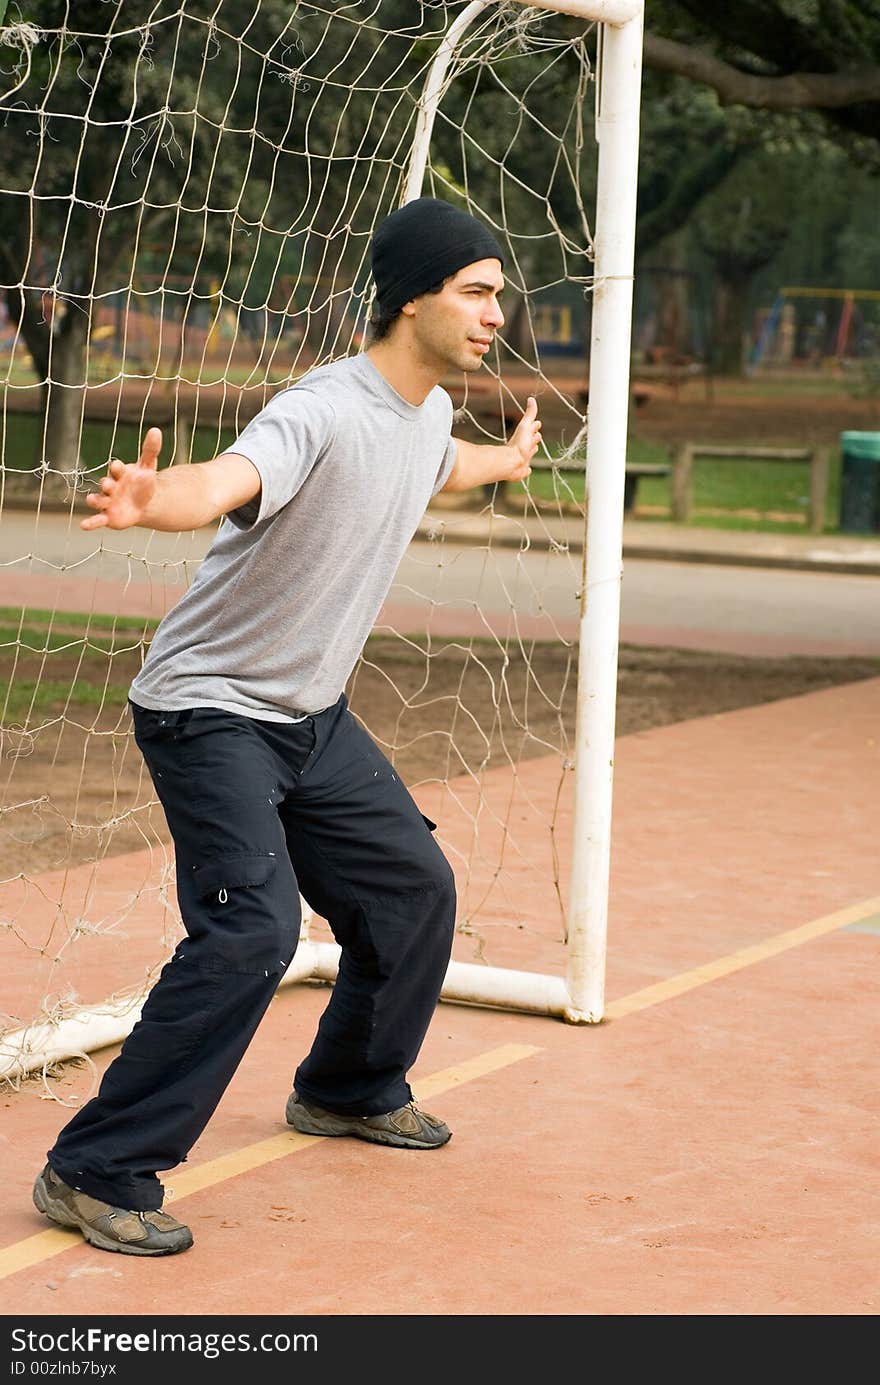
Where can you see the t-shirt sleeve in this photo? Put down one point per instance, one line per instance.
(447, 464)
(285, 441)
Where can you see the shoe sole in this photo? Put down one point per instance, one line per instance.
(57, 1212)
(331, 1125)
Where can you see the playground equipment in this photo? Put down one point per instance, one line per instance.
(821, 339)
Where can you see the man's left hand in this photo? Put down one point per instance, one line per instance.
(526, 440)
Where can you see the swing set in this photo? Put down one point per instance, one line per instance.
(842, 332)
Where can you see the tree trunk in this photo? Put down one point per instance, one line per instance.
(25, 308)
(517, 308)
(731, 304)
(64, 395)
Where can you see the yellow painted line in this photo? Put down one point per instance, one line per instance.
(472, 1068)
(190, 1181)
(735, 961)
(45, 1244)
(36, 1248)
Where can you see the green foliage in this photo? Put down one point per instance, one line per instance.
(148, 106)
(687, 148)
(790, 35)
(182, 151)
(745, 222)
(783, 37)
(238, 152)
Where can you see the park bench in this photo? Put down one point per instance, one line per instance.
(634, 473)
(680, 468)
(682, 474)
(488, 413)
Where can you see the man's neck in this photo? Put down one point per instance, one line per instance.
(413, 379)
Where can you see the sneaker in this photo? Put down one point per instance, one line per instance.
(108, 1227)
(406, 1128)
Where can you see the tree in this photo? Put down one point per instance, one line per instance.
(127, 138)
(688, 147)
(782, 55)
(218, 144)
(742, 228)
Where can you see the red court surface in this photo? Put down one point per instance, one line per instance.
(711, 1148)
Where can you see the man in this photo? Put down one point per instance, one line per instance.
(269, 784)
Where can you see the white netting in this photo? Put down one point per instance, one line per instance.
(187, 197)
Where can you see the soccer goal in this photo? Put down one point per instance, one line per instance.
(187, 198)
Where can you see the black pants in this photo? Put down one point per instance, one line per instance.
(260, 811)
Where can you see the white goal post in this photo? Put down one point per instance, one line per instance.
(578, 996)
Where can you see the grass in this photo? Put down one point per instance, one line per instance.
(28, 632)
(49, 642)
(101, 441)
(34, 616)
(728, 493)
(21, 697)
(818, 384)
(31, 634)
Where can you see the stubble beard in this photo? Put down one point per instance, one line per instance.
(456, 356)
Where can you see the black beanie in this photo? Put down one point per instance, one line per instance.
(420, 245)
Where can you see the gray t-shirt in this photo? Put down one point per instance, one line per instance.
(285, 598)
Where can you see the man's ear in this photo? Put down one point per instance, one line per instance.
(409, 309)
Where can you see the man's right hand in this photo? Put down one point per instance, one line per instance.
(127, 489)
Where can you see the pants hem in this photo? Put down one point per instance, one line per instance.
(132, 1200)
(376, 1107)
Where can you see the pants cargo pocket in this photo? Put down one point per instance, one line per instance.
(242, 924)
(233, 872)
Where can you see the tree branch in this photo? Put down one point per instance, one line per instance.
(770, 32)
(800, 90)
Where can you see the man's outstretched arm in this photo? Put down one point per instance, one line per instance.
(479, 465)
(176, 499)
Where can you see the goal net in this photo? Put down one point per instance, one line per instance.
(187, 197)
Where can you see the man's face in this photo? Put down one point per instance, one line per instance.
(455, 327)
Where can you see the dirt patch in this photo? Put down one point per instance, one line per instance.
(77, 789)
(802, 420)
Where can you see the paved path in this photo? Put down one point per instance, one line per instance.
(739, 609)
(707, 1151)
(459, 587)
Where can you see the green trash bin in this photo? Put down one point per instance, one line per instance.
(860, 483)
